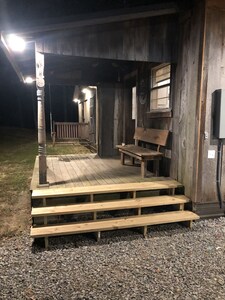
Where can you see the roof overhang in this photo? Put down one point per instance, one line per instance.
(38, 30)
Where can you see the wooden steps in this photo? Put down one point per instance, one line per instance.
(105, 189)
(117, 223)
(109, 205)
(135, 205)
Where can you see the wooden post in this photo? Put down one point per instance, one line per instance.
(143, 168)
(98, 233)
(40, 84)
(145, 230)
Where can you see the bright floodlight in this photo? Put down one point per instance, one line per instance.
(76, 100)
(16, 43)
(28, 80)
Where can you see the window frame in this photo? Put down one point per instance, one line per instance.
(155, 88)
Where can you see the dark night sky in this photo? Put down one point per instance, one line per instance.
(32, 9)
(18, 101)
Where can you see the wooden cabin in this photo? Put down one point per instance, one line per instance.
(156, 67)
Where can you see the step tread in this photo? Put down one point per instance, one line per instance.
(104, 189)
(116, 223)
(109, 205)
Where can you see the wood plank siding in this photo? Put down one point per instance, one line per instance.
(186, 103)
(213, 78)
(147, 39)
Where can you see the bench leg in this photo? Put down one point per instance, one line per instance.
(143, 168)
(122, 158)
(156, 167)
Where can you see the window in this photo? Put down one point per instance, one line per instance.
(160, 87)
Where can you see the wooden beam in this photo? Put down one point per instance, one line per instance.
(200, 110)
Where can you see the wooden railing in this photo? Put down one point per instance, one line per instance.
(70, 130)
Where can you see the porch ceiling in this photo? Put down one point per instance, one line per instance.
(87, 71)
(77, 70)
(70, 70)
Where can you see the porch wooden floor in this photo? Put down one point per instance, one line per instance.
(88, 170)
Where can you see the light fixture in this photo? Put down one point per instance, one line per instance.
(85, 90)
(87, 93)
(16, 43)
(76, 100)
(29, 80)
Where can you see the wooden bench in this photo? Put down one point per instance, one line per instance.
(154, 137)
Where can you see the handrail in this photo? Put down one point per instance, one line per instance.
(71, 130)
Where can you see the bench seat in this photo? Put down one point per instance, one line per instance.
(140, 152)
(155, 137)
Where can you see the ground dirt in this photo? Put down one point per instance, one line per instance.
(15, 213)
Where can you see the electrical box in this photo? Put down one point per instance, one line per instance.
(219, 114)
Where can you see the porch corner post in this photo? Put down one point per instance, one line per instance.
(40, 84)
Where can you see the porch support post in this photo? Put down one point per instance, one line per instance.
(40, 84)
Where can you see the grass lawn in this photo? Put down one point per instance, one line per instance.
(18, 149)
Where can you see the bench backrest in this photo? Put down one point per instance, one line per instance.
(152, 136)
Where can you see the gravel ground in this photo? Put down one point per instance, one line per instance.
(173, 262)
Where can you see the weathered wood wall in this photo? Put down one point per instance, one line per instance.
(150, 39)
(115, 123)
(118, 116)
(143, 92)
(213, 78)
(128, 123)
(184, 163)
(145, 118)
(106, 105)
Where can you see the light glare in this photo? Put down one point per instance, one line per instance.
(16, 43)
(29, 80)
